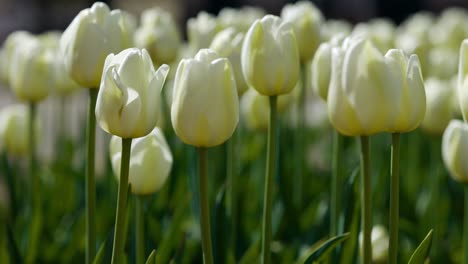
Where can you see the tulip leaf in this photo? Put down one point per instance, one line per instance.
(13, 250)
(422, 251)
(317, 253)
(152, 257)
(252, 254)
(98, 259)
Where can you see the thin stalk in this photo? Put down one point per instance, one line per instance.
(233, 179)
(90, 180)
(119, 233)
(336, 183)
(394, 198)
(204, 208)
(366, 199)
(139, 230)
(269, 178)
(465, 228)
(35, 227)
(301, 140)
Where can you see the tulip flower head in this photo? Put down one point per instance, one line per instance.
(239, 18)
(463, 79)
(31, 70)
(361, 90)
(270, 57)
(159, 35)
(228, 44)
(455, 150)
(306, 19)
(205, 104)
(128, 102)
(150, 162)
(380, 242)
(14, 127)
(439, 109)
(201, 30)
(92, 35)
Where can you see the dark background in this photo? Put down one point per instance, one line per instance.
(42, 15)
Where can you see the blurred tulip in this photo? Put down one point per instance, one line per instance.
(14, 127)
(333, 27)
(362, 88)
(379, 240)
(31, 71)
(201, 30)
(381, 31)
(150, 162)
(239, 18)
(159, 35)
(205, 114)
(411, 105)
(455, 150)
(128, 102)
(450, 28)
(270, 58)
(321, 66)
(92, 35)
(9, 45)
(443, 62)
(306, 19)
(228, 44)
(439, 109)
(463, 79)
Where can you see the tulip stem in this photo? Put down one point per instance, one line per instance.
(301, 141)
(394, 198)
(119, 233)
(204, 208)
(269, 174)
(465, 228)
(35, 227)
(90, 180)
(139, 230)
(335, 183)
(232, 178)
(366, 199)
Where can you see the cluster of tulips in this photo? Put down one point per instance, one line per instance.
(243, 70)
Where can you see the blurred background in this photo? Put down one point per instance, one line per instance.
(41, 15)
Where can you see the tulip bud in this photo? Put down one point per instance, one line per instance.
(455, 150)
(306, 19)
(333, 27)
(463, 79)
(159, 35)
(14, 127)
(150, 162)
(228, 44)
(30, 74)
(411, 106)
(270, 59)
(364, 90)
(321, 66)
(11, 43)
(438, 107)
(204, 113)
(379, 240)
(128, 102)
(201, 31)
(92, 35)
(239, 18)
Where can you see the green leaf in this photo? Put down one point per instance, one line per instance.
(152, 257)
(100, 254)
(13, 250)
(317, 253)
(422, 252)
(252, 254)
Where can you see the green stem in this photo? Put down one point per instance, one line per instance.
(335, 183)
(269, 174)
(366, 199)
(301, 140)
(139, 230)
(35, 188)
(465, 228)
(204, 208)
(119, 233)
(394, 198)
(232, 178)
(90, 180)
